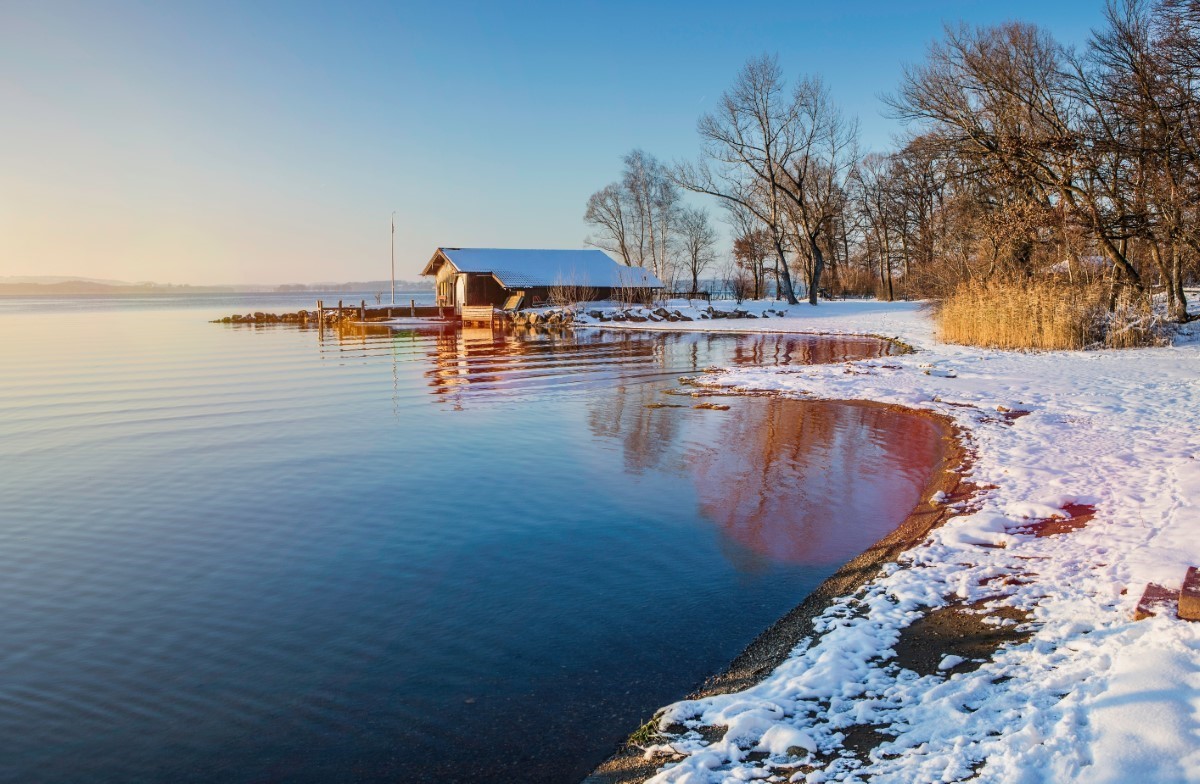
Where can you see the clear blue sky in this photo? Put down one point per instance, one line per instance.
(263, 142)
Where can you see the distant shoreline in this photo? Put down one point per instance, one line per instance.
(92, 289)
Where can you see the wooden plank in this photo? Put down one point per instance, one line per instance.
(477, 314)
(1189, 596)
(1156, 600)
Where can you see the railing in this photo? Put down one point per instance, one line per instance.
(364, 312)
(704, 295)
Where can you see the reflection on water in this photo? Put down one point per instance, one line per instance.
(486, 361)
(790, 478)
(269, 554)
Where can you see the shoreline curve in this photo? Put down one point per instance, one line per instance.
(773, 645)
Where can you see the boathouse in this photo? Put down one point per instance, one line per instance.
(511, 278)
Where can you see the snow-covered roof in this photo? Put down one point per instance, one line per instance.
(519, 267)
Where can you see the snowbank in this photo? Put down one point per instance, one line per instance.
(1090, 695)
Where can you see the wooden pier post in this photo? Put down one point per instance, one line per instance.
(362, 310)
(412, 308)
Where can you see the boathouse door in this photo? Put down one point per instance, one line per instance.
(460, 292)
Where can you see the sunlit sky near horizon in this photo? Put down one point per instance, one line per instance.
(268, 142)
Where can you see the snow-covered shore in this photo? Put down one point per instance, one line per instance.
(1090, 695)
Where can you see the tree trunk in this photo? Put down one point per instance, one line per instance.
(1165, 272)
(1114, 255)
(785, 276)
(1179, 314)
(818, 265)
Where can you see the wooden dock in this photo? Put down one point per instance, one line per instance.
(478, 314)
(364, 312)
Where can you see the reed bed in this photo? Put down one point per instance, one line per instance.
(1044, 315)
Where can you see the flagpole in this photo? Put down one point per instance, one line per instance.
(393, 257)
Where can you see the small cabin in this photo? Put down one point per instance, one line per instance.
(512, 278)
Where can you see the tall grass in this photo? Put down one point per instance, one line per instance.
(1043, 314)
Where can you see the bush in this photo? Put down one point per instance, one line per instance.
(566, 294)
(857, 282)
(1044, 314)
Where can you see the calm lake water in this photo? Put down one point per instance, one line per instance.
(247, 554)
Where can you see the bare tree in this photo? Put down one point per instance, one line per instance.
(747, 142)
(655, 199)
(697, 240)
(737, 281)
(1025, 159)
(813, 177)
(998, 98)
(874, 181)
(607, 211)
(751, 249)
(1139, 81)
(636, 216)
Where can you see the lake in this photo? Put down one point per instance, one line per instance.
(246, 554)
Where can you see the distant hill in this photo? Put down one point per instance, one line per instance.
(366, 285)
(58, 285)
(69, 288)
(14, 279)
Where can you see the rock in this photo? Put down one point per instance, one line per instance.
(662, 313)
(656, 317)
(596, 314)
(620, 316)
(673, 317)
(638, 318)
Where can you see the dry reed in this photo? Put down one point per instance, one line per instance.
(1040, 314)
